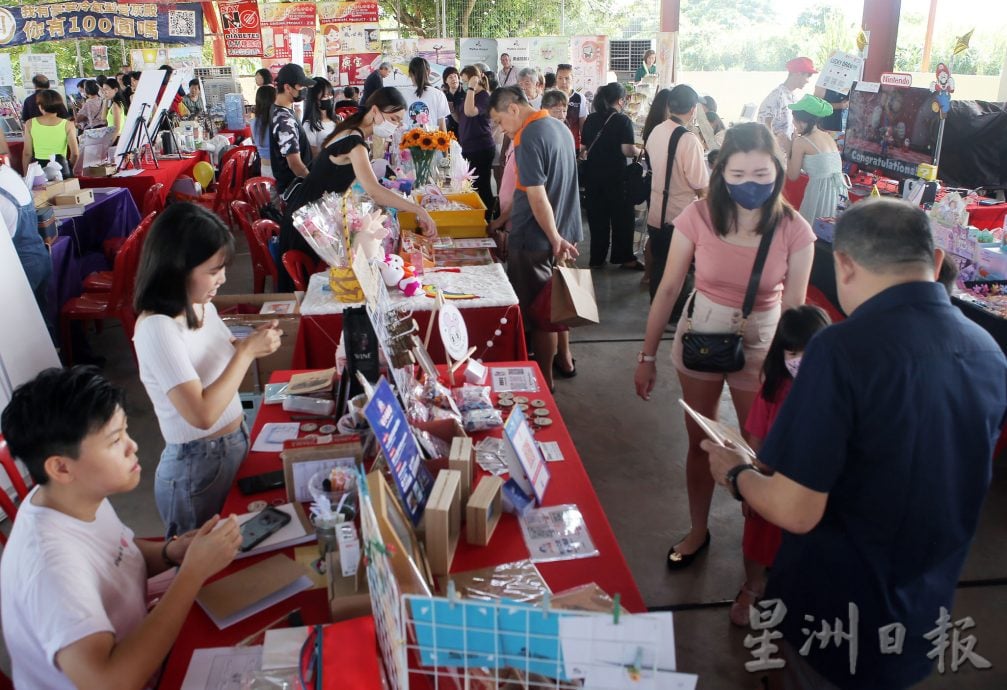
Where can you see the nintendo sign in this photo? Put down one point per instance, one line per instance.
(902, 80)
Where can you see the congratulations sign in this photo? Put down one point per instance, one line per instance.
(29, 24)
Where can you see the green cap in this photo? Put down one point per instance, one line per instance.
(813, 105)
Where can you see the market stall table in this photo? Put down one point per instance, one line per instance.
(493, 309)
(170, 170)
(78, 250)
(569, 484)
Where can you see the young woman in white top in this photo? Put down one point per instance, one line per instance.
(815, 151)
(426, 106)
(319, 114)
(190, 364)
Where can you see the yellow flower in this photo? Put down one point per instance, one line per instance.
(427, 143)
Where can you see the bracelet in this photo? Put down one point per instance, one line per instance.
(732, 478)
(164, 554)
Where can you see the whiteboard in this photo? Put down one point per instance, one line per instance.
(145, 92)
(167, 96)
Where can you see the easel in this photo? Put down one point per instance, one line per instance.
(453, 366)
(170, 130)
(135, 141)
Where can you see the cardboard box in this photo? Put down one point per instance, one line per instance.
(54, 189)
(243, 310)
(470, 222)
(78, 198)
(349, 597)
(106, 170)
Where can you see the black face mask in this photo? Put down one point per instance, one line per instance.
(298, 97)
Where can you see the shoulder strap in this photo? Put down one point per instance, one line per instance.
(596, 136)
(672, 148)
(760, 262)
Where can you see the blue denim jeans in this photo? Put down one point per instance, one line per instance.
(192, 479)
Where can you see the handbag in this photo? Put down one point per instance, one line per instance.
(637, 178)
(582, 170)
(723, 353)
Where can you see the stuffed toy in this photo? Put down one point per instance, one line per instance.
(396, 273)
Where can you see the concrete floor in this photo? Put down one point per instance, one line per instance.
(635, 454)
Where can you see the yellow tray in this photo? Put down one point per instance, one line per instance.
(468, 223)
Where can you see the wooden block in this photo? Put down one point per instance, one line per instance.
(462, 458)
(442, 519)
(78, 198)
(483, 510)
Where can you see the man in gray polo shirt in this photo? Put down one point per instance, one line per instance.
(545, 217)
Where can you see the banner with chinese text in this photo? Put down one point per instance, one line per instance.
(31, 24)
(350, 27)
(242, 29)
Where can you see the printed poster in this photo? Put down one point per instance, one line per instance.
(99, 58)
(350, 27)
(547, 52)
(352, 70)
(475, 50)
(589, 57)
(242, 28)
(399, 52)
(6, 72)
(667, 58)
(279, 22)
(893, 130)
(438, 51)
(147, 58)
(518, 50)
(38, 63)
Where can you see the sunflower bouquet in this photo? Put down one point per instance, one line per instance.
(422, 145)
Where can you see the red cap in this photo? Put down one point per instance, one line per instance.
(801, 65)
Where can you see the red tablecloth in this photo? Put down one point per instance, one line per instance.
(318, 336)
(169, 171)
(569, 483)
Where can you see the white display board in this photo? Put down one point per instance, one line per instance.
(145, 93)
(475, 50)
(546, 52)
(840, 71)
(518, 50)
(38, 63)
(167, 96)
(6, 72)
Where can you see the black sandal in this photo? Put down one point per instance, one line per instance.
(679, 561)
(558, 370)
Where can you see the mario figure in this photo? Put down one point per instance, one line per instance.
(943, 87)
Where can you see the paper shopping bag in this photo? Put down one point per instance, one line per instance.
(573, 302)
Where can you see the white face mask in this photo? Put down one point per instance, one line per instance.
(385, 129)
(793, 365)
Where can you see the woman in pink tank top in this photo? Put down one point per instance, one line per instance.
(722, 234)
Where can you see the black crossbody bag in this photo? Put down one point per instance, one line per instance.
(724, 353)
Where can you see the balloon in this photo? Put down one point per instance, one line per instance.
(203, 172)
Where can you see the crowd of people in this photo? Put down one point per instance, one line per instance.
(728, 262)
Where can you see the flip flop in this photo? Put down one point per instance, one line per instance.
(561, 372)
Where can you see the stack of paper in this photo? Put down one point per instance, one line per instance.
(243, 594)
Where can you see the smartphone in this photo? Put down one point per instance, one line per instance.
(269, 521)
(261, 482)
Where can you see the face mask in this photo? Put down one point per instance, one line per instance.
(793, 365)
(385, 129)
(751, 195)
(298, 97)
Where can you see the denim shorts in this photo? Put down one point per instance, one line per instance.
(193, 479)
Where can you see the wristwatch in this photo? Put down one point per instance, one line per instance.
(641, 358)
(732, 478)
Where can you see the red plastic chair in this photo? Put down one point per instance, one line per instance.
(17, 481)
(101, 281)
(260, 191)
(219, 198)
(300, 267)
(246, 216)
(247, 159)
(153, 200)
(262, 231)
(117, 303)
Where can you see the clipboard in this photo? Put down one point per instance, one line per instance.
(719, 433)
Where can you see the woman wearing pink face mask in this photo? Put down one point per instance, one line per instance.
(762, 539)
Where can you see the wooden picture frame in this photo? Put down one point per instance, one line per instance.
(482, 513)
(408, 560)
(462, 459)
(317, 455)
(442, 521)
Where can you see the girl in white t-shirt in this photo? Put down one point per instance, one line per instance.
(190, 364)
(426, 107)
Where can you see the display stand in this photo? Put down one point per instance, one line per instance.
(136, 139)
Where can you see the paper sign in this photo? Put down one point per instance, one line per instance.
(529, 635)
(38, 63)
(900, 79)
(645, 641)
(513, 380)
(242, 29)
(99, 58)
(840, 71)
(550, 451)
(455, 634)
(556, 533)
(272, 436)
(391, 428)
(475, 50)
(524, 460)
